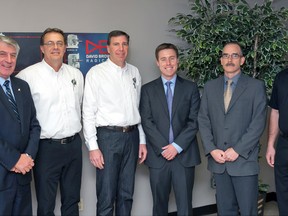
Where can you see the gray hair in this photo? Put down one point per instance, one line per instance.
(11, 42)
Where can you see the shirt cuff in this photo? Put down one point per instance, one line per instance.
(178, 148)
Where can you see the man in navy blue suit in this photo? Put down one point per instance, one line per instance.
(19, 135)
(169, 107)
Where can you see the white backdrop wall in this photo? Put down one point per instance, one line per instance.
(147, 23)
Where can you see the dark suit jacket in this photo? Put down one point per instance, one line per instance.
(16, 139)
(155, 121)
(240, 128)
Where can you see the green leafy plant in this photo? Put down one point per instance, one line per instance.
(260, 30)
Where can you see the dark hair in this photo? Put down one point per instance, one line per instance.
(233, 43)
(49, 30)
(117, 33)
(165, 46)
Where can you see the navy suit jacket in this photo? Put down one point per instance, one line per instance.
(155, 121)
(16, 138)
(240, 128)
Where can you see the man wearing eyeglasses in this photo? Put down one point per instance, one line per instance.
(57, 90)
(231, 120)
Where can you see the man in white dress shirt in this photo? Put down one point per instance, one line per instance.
(57, 90)
(112, 128)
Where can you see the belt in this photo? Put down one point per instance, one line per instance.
(63, 140)
(125, 129)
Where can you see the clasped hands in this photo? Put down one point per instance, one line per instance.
(223, 156)
(169, 152)
(23, 165)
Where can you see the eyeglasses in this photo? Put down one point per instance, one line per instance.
(233, 55)
(52, 44)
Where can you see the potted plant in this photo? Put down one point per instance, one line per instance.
(261, 30)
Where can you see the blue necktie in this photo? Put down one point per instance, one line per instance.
(169, 98)
(11, 99)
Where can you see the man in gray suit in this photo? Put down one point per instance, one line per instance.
(231, 135)
(170, 125)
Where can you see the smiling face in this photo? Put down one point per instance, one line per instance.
(53, 48)
(232, 59)
(8, 57)
(168, 63)
(118, 50)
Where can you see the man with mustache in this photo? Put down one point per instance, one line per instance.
(231, 120)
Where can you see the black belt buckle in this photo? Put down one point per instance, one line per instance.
(126, 129)
(64, 141)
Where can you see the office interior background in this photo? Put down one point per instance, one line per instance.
(146, 21)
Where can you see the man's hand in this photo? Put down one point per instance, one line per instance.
(218, 155)
(142, 153)
(24, 164)
(96, 158)
(231, 155)
(169, 152)
(270, 156)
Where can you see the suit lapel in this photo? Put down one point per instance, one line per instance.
(219, 91)
(6, 103)
(240, 88)
(18, 97)
(159, 90)
(178, 94)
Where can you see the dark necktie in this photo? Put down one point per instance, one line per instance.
(169, 98)
(11, 99)
(228, 94)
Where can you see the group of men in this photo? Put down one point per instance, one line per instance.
(125, 122)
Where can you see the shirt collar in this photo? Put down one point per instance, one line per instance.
(234, 79)
(116, 67)
(173, 80)
(2, 80)
(50, 68)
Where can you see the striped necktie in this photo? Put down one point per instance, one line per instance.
(228, 94)
(11, 99)
(169, 98)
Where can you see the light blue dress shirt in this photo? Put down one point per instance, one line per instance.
(172, 86)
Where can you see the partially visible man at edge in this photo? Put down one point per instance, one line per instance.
(277, 156)
(19, 135)
(112, 126)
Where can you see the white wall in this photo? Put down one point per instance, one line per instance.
(147, 23)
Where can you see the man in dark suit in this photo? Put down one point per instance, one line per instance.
(171, 141)
(231, 120)
(19, 135)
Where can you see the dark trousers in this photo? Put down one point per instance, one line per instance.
(173, 173)
(115, 183)
(55, 164)
(281, 175)
(236, 193)
(16, 200)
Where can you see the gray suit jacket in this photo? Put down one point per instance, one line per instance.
(155, 121)
(240, 128)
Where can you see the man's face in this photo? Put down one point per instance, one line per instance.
(118, 50)
(232, 60)
(168, 63)
(54, 47)
(8, 57)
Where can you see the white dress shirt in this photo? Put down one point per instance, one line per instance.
(57, 97)
(111, 98)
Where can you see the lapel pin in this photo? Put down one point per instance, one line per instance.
(19, 89)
